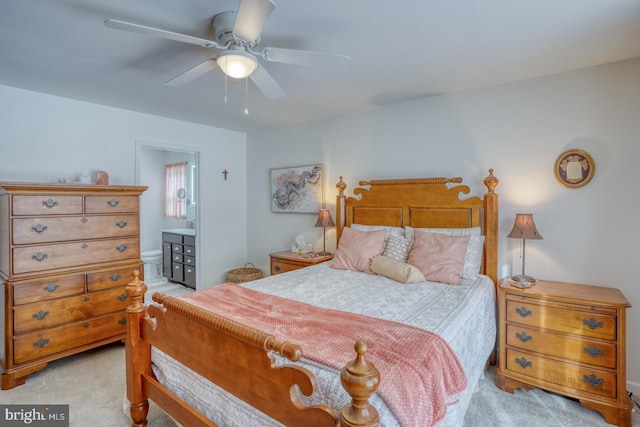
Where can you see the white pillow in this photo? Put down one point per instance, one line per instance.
(473, 255)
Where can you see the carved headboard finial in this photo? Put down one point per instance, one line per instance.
(135, 291)
(341, 186)
(491, 181)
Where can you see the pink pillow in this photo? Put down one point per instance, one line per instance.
(439, 257)
(357, 248)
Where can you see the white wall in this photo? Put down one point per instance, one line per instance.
(45, 137)
(590, 234)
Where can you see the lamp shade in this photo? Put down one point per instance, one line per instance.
(237, 64)
(524, 228)
(324, 219)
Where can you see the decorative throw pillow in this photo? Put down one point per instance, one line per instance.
(357, 248)
(397, 248)
(473, 255)
(398, 271)
(439, 257)
(391, 230)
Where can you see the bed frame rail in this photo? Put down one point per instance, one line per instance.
(237, 358)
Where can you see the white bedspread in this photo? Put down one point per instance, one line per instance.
(463, 315)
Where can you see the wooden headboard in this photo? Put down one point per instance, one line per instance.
(424, 203)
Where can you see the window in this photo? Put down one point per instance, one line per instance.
(175, 200)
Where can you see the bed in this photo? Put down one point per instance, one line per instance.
(350, 342)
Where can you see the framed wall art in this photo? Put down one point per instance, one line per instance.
(297, 189)
(574, 168)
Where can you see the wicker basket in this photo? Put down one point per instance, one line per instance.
(246, 274)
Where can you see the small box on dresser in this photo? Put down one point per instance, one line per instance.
(66, 254)
(566, 338)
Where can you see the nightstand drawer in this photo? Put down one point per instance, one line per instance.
(562, 346)
(586, 323)
(278, 267)
(562, 374)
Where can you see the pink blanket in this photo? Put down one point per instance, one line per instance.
(420, 374)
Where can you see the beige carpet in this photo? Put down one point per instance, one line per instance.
(93, 384)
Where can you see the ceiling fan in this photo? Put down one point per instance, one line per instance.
(237, 35)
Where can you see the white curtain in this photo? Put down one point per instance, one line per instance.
(175, 178)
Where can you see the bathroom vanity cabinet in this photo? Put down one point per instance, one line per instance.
(179, 257)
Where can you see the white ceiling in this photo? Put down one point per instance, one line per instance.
(399, 49)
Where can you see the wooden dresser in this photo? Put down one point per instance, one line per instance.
(66, 254)
(284, 261)
(569, 339)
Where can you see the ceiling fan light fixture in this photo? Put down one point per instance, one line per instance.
(237, 64)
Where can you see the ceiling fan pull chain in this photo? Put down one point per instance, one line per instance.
(246, 95)
(225, 88)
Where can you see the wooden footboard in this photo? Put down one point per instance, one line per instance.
(237, 358)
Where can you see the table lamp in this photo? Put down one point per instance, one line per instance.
(524, 228)
(324, 221)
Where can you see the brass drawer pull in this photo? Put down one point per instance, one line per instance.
(121, 224)
(122, 248)
(84, 220)
(523, 362)
(51, 287)
(593, 380)
(86, 299)
(593, 323)
(276, 268)
(522, 311)
(39, 228)
(522, 336)
(40, 315)
(49, 203)
(593, 351)
(84, 246)
(86, 325)
(40, 256)
(113, 203)
(41, 342)
(122, 321)
(115, 277)
(122, 297)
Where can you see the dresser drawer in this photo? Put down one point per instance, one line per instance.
(47, 289)
(36, 316)
(46, 205)
(562, 374)
(51, 341)
(111, 204)
(586, 323)
(562, 346)
(119, 277)
(47, 257)
(56, 229)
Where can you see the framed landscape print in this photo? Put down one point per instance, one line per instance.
(297, 189)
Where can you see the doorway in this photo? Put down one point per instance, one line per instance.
(151, 158)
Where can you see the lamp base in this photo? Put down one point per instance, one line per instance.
(522, 281)
(324, 253)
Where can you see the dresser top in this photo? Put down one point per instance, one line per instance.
(570, 292)
(34, 187)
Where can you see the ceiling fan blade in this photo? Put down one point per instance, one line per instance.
(266, 84)
(251, 17)
(156, 32)
(304, 57)
(192, 73)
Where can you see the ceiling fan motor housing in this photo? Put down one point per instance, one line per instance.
(223, 29)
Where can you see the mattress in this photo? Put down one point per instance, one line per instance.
(463, 315)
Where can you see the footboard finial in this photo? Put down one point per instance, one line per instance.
(360, 379)
(135, 291)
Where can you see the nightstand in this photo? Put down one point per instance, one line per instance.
(284, 261)
(568, 339)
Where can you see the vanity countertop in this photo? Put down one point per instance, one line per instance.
(183, 231)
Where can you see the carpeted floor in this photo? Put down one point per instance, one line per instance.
(93, 384)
